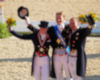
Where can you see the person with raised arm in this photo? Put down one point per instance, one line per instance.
(41, 41)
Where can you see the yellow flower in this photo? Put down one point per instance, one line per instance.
(11, 21)
(92, 13)
(94, 16)
(82, 22)
(81, 16)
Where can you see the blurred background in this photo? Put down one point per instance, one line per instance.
(16, 54)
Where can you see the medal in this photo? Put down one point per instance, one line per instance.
(40, 40)
(76, 38)
(73, 45)
(58, 41)
(74, 41)
(77, 33)
(41, 49)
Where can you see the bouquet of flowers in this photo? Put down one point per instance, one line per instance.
(94, 16)
(11, 22)
(90, 18)
(82, 18)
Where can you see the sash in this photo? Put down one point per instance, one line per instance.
(61, 38)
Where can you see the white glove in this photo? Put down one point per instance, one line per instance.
(28, 22)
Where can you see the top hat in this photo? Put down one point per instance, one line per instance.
(90, 20)
(43, 24)
(20, 9)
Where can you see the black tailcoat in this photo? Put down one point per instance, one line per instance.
(36, 43)
(77, 41)
(54, 42)
(65, 33)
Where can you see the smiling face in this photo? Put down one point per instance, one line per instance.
(60, 18)
(73, 24)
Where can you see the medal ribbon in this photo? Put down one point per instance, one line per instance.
(59, 35)
(41, 41)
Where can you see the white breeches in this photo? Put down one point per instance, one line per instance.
(72, 61)
(41, 68)
(60, 63)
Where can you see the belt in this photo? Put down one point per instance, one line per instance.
(60, 54)
(41, 54)
(73, 51)
(72, 56)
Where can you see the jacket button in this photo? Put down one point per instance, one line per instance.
(74, 41)
(73, 45)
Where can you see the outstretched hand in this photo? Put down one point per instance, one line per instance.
(10, 22)
(27, 20)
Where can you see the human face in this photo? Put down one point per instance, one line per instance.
(59, 19)
(43, 30)
(73, 24)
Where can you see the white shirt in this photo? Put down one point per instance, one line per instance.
(43, 36)
(61, 27)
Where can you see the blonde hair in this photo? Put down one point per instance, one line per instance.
(60, 13)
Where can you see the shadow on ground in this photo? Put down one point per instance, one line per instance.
(16, 60)
(95, 77)
(89, 56)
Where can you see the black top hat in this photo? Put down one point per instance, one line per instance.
(43, 24)
(21, 8)
(90, 20)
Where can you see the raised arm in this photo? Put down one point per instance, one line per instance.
(21, 36)
(86, 31)
(30, 27)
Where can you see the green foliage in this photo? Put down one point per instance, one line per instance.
(4, 33)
